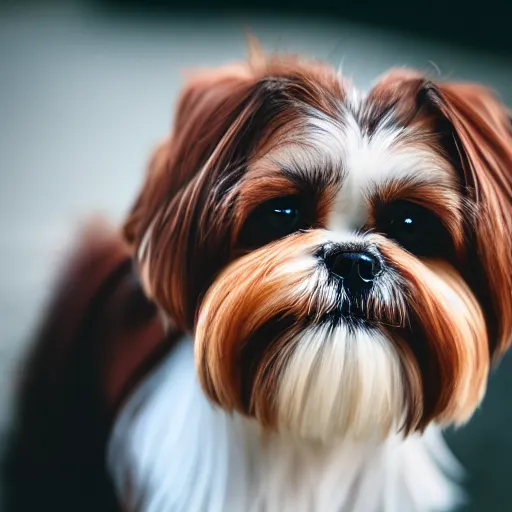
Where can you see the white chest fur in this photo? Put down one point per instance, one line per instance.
(171, 450)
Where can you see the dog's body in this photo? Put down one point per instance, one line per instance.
(311, 283)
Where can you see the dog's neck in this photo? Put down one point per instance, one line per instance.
(172, 450)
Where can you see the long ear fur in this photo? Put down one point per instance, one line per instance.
(483, 137)
(165, 218)
(206, 108)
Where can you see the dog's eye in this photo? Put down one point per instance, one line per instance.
(281, 216)
(415, 228)
(274, 219)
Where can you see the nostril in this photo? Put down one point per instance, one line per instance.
(342, 265)
(367, 268)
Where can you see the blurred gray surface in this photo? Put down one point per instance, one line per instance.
(83, 100)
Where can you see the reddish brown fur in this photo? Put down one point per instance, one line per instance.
(449, 353)
(484, 140)
(62, 421)
(227, 114)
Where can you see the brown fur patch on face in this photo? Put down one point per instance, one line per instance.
(446, 333)
(271, 290)
(181, 219)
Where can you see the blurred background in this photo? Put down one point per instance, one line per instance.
(87, 88)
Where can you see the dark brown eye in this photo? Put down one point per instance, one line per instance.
(280, 216)
(415, 228)
(273, 220)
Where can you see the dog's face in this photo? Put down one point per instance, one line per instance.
(344, 262)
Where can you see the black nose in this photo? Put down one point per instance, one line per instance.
(358, 269)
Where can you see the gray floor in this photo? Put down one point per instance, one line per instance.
(82, 101)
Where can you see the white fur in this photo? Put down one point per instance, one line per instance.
(370, 162)
(340, 383)
(171, 450)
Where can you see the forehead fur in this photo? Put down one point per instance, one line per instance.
(358, 147)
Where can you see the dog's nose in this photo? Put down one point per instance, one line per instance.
(358, 269)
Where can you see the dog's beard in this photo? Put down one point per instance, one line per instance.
(340, 381)
(277, 338)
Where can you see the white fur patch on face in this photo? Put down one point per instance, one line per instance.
(364, 161)
(374, 161)
(341, 382)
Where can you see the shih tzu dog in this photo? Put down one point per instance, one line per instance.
(311, 284)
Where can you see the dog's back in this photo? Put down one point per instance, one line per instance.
(76, 375)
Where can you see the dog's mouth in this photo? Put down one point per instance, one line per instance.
(356, 313)
(351, 316)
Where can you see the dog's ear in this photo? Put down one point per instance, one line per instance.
(481, 129)
(203, 155)
(206, 108)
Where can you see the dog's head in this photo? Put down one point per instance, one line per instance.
(343, 261)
